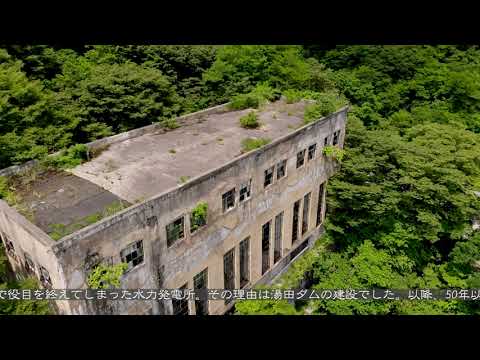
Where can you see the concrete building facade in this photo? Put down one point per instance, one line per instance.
(263, 208)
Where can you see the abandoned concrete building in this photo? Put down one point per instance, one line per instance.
(260, 209)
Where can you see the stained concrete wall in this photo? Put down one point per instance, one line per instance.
(177, 265)
(28, 238)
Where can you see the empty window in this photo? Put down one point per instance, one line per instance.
(244, 262)
(326, 141)
(229, 272)
(175, 231)
(281, 169)
(29, 264)
(336, 137)
(320, 204)
(311, 151)
(198, 216)
(133, 254)
(200, 282)
(277, 249)
(9, 246)
(300, 158)
(265, 247)
(268, 176)
(245, 190)
(296, 210)
(180, 306)
(228, 200)
(45, 277)
(306, 208)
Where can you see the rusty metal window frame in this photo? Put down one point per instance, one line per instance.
(175, 230)
(244, 255)
(301, 158)
(200, 281)
(180, 306)
(245, 191)
(268, 179)
(281, 169)
(228, 200)
(229, 271)
(133, 254)
(266, 236)
(311, 151)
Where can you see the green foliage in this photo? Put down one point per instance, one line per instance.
(249, 121)
(6, 193)
(198, 216)
(106, 276)
(334, 152)
(69, 158)
(261, 94)
(183, 179)
(325, 104)
(250, 144)
(58, 231)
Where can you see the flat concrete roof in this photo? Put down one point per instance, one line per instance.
(139, 168)
(136, 169)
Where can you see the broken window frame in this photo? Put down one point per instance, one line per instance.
(245, 191)
(133, 255)
(301, 158)
(29, 264)
(229, 272)
(268, 176)
(180, 306)
(295, 220)
(244, 255)
(229, 195)
(277, 247)
(175, 232)
(320, 204)
(44, 277)
(200, 281)
(266, 236)
(281, 169)
(306, 212)
(311, 152)
(9, 247)
(336, 137)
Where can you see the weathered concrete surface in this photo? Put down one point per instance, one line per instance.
(144, 166)
(62, 198)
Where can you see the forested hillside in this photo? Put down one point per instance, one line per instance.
(400, 209)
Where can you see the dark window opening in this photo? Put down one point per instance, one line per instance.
(200, 281)
(228, 200)
(268, 176)
(296, 210)
(326, 141)
(175, 231)
(320, 205)
(29, 264)
(281, 169)
(336, 136)
(133, 254)
(265, 247)
(10, 249)
(245, 191)
(306, 211)
(45, 277)
(311, 151)
(300, 158)
(229, 272)
(298, 250)
(180, 306)
(244, 262)
(277, 250)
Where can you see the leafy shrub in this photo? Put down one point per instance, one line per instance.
(334, 152)
(67, 159)
(249, 121)
(250, 144)
(105, 276)
(5, 192)
(325, 104)
(198, 216)
(170, 123)
(254, 99)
